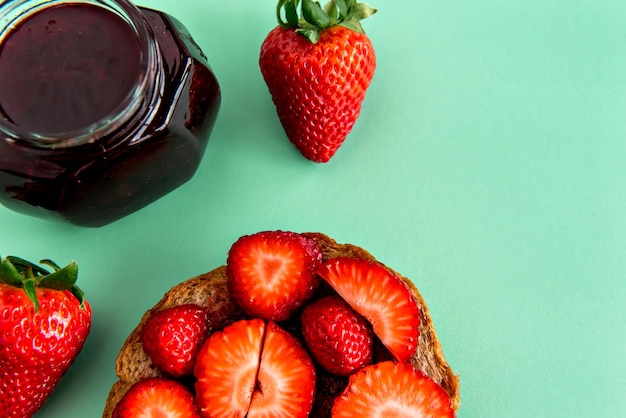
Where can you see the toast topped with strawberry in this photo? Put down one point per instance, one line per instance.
(294, 325)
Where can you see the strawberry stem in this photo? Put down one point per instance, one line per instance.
(313, 19)
(29, 289)
(17, 272)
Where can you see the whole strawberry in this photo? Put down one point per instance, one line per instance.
(339, 339)
(44, 321)
(173, 337)
(317, 68)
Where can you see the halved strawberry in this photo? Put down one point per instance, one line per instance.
(286, 379)
(227, 368)
(157, 397)
(381, 297)
(173, 337)
(390, 389)
(254, 369)
(272, 273)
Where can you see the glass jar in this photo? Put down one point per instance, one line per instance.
(104, 108)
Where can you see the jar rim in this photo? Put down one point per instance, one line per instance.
(14, 12)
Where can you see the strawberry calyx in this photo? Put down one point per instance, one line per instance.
(17, 272)
(313, 18)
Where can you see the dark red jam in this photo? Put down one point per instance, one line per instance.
(70, 69)
(67, 67)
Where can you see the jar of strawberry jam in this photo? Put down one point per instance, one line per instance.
(104, 108)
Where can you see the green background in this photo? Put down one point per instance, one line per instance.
(487, 165)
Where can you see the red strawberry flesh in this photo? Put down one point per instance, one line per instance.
(390, 389)
(286, 378)
(227, 368)
(381, 297)
(254, 369)
(272, 273)
(157, 397)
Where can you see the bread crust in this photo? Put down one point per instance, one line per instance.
(210, 291)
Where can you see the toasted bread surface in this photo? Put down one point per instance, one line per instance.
(210, 290)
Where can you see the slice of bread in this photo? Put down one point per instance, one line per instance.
(209, 290)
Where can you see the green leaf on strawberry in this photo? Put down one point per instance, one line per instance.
(314, 18)
(17, 272)
(9, 273)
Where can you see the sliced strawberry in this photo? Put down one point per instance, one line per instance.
(339, 339)
(173, 337)
(286, 379)
(390, 389)
(381, 297)
(226, 369)
(272, 273)
(157, 397)
(254, 369)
